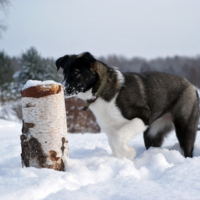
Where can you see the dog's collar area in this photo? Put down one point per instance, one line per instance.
(89, 101)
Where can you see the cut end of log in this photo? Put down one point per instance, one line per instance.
(41, 90)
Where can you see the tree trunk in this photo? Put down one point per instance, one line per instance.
(44, 132)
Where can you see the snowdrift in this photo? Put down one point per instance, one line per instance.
(94, 174)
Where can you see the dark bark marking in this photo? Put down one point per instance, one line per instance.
(63, 143)
(31, 149)
(58, 163)
(28, 105)
(62, 167)
(26, 127)
(52, 156)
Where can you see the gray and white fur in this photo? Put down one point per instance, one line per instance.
(151, 102)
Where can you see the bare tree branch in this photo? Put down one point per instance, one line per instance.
(4, 2)
(3, 6)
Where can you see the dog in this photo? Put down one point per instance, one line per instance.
(126, 104)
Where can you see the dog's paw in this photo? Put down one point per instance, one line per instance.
(130, 154)
(117, 155)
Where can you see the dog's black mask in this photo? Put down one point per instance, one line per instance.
(79, 75)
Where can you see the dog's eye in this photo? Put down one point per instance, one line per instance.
(76, 72)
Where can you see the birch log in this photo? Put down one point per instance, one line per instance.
(44, 133)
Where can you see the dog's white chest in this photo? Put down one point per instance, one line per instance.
(108, 115)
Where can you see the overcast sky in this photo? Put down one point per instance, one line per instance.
(145, 28)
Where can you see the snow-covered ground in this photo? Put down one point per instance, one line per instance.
(94, 174)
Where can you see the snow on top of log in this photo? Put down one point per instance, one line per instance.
(33, 83)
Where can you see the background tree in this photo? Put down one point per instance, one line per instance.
(34, 67)
(6, 73)
(188, 67)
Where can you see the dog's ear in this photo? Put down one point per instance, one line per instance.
(60, 62)
(88, 57)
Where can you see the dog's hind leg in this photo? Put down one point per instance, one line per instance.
(124, 135)
(186, 117)
(186, 133)
(155, 134)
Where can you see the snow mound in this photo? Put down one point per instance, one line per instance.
(33, 83)
(94, 174)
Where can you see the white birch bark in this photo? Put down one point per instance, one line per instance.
(45, 121)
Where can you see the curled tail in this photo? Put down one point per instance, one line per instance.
(198, 128)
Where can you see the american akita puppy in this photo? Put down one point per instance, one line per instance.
(127, 103)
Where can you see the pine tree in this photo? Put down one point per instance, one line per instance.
(51, 72)
(34, 67)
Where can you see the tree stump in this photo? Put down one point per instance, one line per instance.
(44, 132)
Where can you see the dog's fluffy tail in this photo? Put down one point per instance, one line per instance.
(198, 129)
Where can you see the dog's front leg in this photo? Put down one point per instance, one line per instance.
(113, 148)
(124, 135)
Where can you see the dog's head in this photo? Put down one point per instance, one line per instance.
(78, 71)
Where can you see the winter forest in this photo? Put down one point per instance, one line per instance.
(16, 71)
